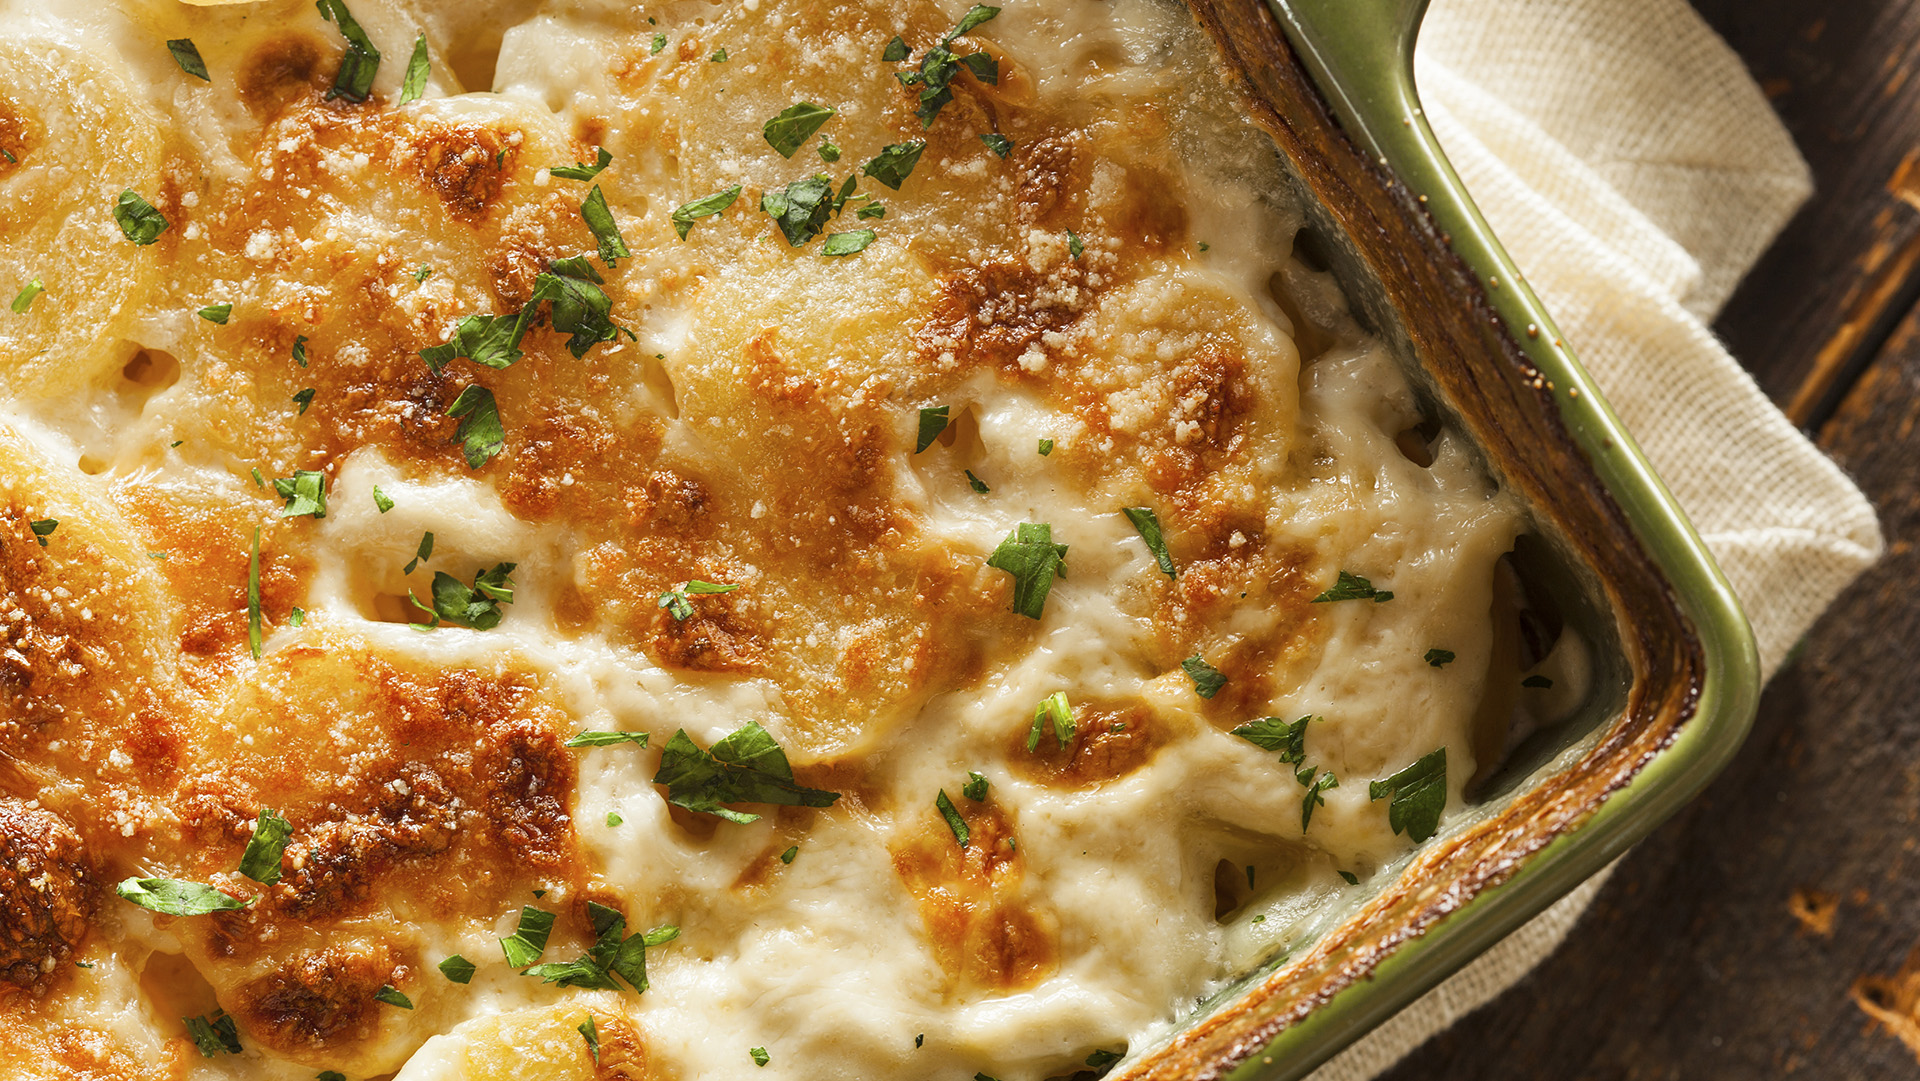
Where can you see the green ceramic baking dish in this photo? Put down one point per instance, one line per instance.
(1332, 82)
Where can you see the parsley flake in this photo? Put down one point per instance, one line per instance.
(659, 43)
(954, 822)
(331, 1075)
(1313, 798)
(253, 596)
(607, 739)
(975, 15)
(214, 1034)
(801, 209)
(423, 273)
(976, 483)
(998, 143)
(1102, 1059)
(217, 313)
(1439, 657)
(492, 341)
(297, 617)
(392, 996)
(580, 307)
(895, 163)
(1536, 681)
(680, 608)
(458, 969)
(24, 299)
(305, 493)
(1352, 587)
(746, 766)
(382, 500)
(414, 83)
(480, 433)
(976, 787)
(580, 170)
(614, 953)
(138, 220)
(476, 606)
(848, 243)
(1074, 244)
(605, 230)
(529, 938)
(1274, 734)
(1207, 680)
(758, 1055)
(187, 55)
(591, 1033)
(1147, 524)
(614, 819)
(300, 350)
(703, 207)
(719, 55)
(1349, 877)
(1030, 555)
(358, 64)
(870, 211)
(43, 528)
(933, 421)
(1054, 713)
(421, 554)
(828, 150)
(793, 126)
(1046, 447)
(896, 51)
(8, 154)
(787, 856)
(302, 399)
(1417, 795)
(261, 861)
(176, 898)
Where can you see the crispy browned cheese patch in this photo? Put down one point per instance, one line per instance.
(985, 933)
(48, 893)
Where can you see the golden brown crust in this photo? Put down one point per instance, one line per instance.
(48, 893)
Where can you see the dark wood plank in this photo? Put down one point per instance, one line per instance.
(1822, 301)
(1731, 944)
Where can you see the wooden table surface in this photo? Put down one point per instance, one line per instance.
(1760, 932)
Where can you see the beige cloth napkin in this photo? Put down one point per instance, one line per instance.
(1635, 172)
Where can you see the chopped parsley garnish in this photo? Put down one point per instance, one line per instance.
(1274, 734)
(998, 143)
(300, 350)
(744, 767)
(896, 51)
(828, 150)
(870, 211)
(423, 273)
(414, 83)
(177, 898)
(253, 596)
(481, 436)
(680, 608)
(1046, 447)
(1207, 680)
(302, 399)
(305, 493)
(138, 219)
(1204, 246)
(1349, 877)
(607, 739)
(331, 1075)
(1313, 798)
(895, 163)
(43, 528)
(939, 66)
(580, 170)
(580, 307)
(1101, 1059)
(933, 421)
(258, 480)
(758, 1055)
(1418, 795)
(1536, 681)
(1030, 555)
(476, 606)
(789, 131)
(382, 500)
(529, 938)
(217, 313)
(954, 822)
(1054, 714)
(421, 554)
(8, 154)
(391, 995)
(1074, 244)
(1438, 657)
(605, 230)
(187, 55)
(458, 969)
(614, 953)
(787, 856)
(1352, 587)
(355, 79)
(614, 819)
(848, 243)
(297, 617)
(1147, 524)
(975, 15)
(976, 787)
(703, 207)
(719, 55)
(591, 1033)
(214, 1034)
(800, 210)
(976, 483)
(659, 43)
(261, 860)
(492, 341)
(24, 299)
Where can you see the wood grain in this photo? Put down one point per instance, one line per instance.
(1773, 928)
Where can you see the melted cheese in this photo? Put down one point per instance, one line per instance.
(758, 429)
